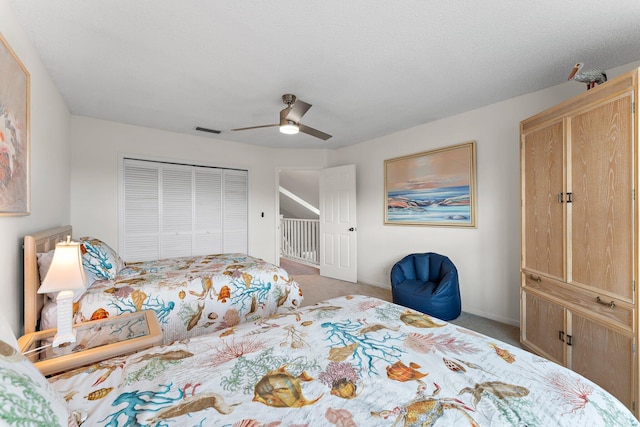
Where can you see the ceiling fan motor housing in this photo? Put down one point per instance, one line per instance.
(289, 99)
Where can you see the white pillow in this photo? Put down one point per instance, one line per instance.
(27, 396)
(49, 315)
(44, 262)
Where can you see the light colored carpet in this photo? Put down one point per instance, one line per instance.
(295, 268)
(317, 288)
(501, 331)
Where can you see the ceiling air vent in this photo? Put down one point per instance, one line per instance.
(207, 130)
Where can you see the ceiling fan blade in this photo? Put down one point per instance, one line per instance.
(297, 110)
(258, 127)
(313, 132)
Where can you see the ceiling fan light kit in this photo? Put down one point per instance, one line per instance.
(290, 118)
(289, 128)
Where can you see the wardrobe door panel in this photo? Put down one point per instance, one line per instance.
(601, 212)
(543, 327)
(603, 355)
(542, 193)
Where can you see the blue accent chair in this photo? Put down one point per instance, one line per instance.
(427, 283)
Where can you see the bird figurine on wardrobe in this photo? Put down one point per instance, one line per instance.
(590, 77)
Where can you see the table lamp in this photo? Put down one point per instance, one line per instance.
(65, 275)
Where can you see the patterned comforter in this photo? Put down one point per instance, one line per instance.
(349, 361)
(193, 295)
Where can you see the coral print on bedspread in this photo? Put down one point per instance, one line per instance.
(193, 295)
(351, 361)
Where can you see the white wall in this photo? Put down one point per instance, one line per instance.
(50, 121)
(96, 149)
(488, 257)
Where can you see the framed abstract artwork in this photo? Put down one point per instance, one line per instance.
(434, 188)
(14, 133)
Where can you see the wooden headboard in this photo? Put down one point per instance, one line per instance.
(44, 241)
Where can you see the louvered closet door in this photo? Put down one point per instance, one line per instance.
(235, 211)
(208, 211)
(177, 211)
(140, 221)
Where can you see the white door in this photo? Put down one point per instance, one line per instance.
(338, 238)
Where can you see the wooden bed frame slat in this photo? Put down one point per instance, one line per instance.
(43, 241)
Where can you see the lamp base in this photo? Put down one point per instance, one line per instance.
(63, 340)
(65, 334)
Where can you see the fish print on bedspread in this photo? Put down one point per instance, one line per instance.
(368, 363)
(192, 296)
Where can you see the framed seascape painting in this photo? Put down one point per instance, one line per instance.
(435, 188)
(14, 133)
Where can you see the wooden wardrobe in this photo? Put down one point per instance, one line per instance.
(579, 235)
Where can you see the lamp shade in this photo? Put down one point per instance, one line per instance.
(66, 271)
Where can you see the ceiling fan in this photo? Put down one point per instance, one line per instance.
(290, 118)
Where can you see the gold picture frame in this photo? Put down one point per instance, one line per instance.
(14, 133)
(432, 188)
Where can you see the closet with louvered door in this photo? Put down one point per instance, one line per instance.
(174, 210)
(579, 239)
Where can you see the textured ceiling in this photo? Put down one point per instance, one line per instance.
(369, 67)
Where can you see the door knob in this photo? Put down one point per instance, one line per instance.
(352, 229)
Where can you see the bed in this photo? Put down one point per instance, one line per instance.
(349, 361)
(190, 295)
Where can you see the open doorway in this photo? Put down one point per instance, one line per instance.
(299, 217)
(330, 241)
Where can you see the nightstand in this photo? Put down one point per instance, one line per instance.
(96, 340)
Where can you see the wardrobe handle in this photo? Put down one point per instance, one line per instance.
(560, 198)
(569, 339)
(611, 304)
(561, 335)
(536, 278)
